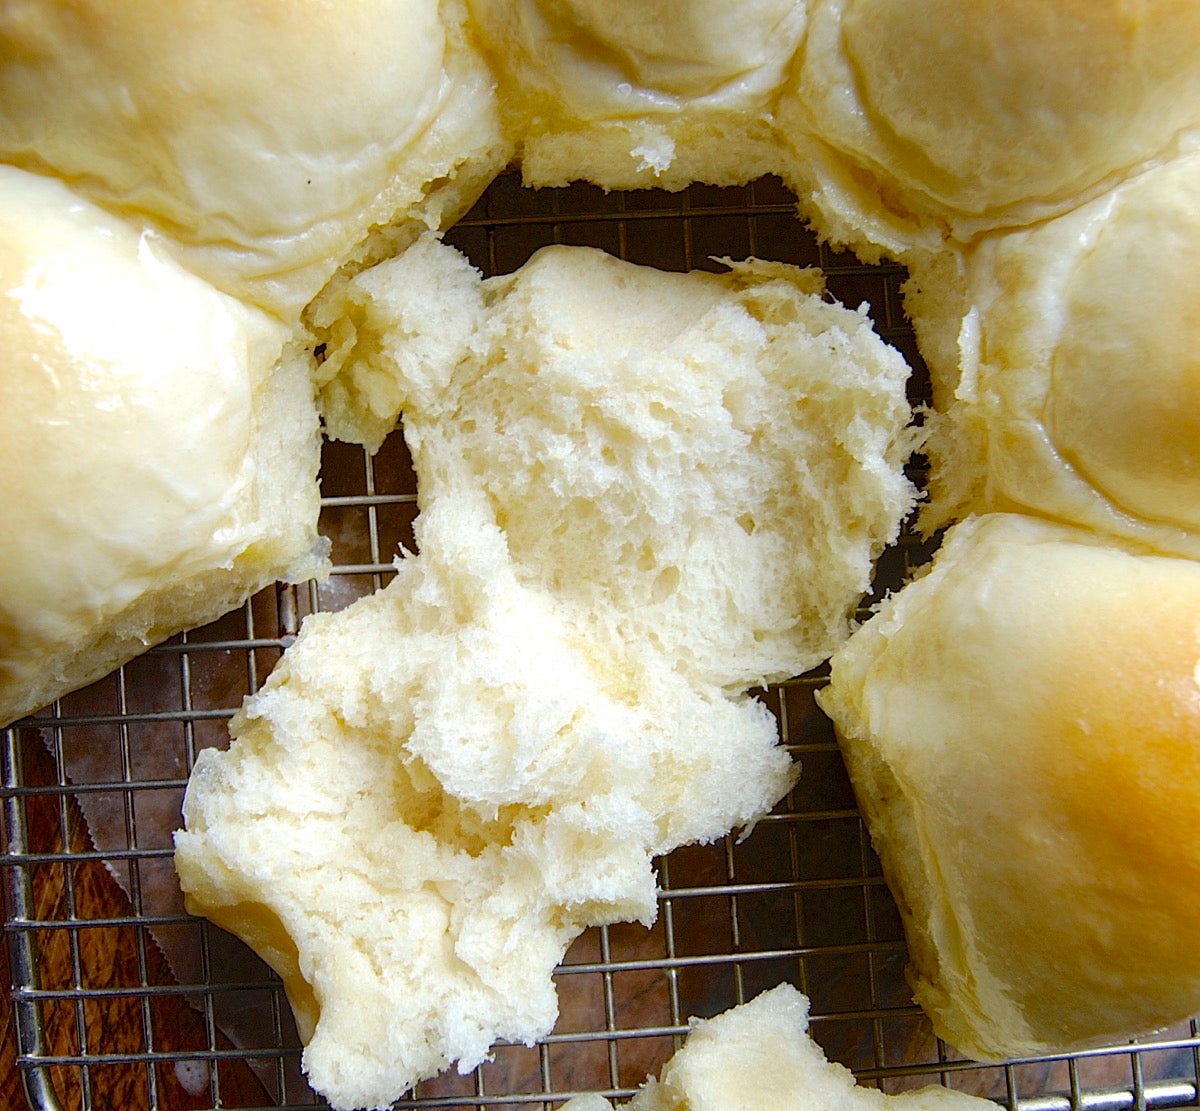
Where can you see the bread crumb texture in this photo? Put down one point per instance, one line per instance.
(759, 1056)
(641, 495)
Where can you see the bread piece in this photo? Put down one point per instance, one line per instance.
(430, 303)
(262, 141)
(1022, 728)
(437, 791)
(159, 459)
(759, 1056)
(913, 122)
(710, 462)
(630, 93)
(1079, 391)
(442, 785)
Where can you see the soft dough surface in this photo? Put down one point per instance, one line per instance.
(441, 786)
(159, 458)
(1022, 727)
(1076, 391)
(262, 141)
(942, 118)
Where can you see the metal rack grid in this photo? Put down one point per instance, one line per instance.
(106, 1019)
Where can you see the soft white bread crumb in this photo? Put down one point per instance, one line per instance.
(159, 458)
(1078, 395)
(707, 462)
(638, 94)
(441, 786)
(912, 122)
(262, 141)
(760, 1057)
(1022, 726)
(430, 304)
(438, 789)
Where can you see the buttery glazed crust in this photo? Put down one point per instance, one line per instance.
(1076, 392)
(263, 142)
(1022, 728)
(160, 451)
(917, 123)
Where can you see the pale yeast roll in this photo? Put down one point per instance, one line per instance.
(711, 462)
(436, 791)
(915, 121)
(1075, 389)
(262, 141)
(1022, 729)
(633, 510)
(760, 1056)
(159, 460)
(626, 94)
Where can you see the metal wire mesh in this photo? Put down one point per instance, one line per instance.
(105, 1020)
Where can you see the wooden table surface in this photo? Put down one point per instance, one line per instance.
(11, 1093)
(105, 956)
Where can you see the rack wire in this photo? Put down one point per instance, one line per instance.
(121, 999)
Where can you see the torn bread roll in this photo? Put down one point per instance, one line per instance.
(438, 789)
(160, 451)
(1022, 726)
(632, 511)
(263, 142)
(1067, 385)
(731, 516)
(637, 94)
(917, 122)
(759, 1056)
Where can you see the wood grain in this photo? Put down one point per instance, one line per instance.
(99, 957)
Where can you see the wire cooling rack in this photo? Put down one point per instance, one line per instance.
(122, 1000)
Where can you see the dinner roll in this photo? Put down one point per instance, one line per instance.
(1076, 390)
(263, 142)
(916, 121)
(759, 1056)
(159, 457)
(709, 461)
(632, 510)
(437, 790)
(630, 93)
(1022, 727)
